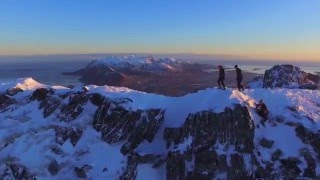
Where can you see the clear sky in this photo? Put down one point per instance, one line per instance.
(274, 29)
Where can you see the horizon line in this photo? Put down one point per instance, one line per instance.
(218, 55)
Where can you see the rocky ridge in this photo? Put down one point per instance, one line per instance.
(286, 76)
(208, 145)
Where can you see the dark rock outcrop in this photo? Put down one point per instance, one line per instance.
(237, 169)
(65, 133)
(74, 108)
(290, 167)
(148, 158)
(172, 135)
(276, 155)
(13, 91)
(81, 171)
(53, 167)
(5, 101)
(222, 163)
(265, 173)
(266, 143)
(289, 76)
(310, 171)
(116, 124)
(15, 170)
(130, 171)
(49, 105)
(145, 129)
(309, 137)
(206, 163)
(207, 128)
(201, 134)
(57, 150)
(41, 93)
(176, 167)
(97, 99)
(156, 160)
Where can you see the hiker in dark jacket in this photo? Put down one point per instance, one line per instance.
(239, 78)
(221, 77)
(262, 110)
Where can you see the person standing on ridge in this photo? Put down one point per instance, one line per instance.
(239, 78)
(221, 77)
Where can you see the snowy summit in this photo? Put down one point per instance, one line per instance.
(137, 62)
(287, 76)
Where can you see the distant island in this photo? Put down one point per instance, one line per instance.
(166, 76)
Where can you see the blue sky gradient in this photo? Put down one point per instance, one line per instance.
(286, 29)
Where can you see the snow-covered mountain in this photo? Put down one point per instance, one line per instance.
(137, 63)
(287, 76)
(165, 76)
(105, 132)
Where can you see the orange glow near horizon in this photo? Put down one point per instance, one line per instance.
(249, 53)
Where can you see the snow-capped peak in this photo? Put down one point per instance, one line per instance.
(22, 83)
(28, 84)
(148, 63)
(25, 84)
(169, 60)
(115, 60)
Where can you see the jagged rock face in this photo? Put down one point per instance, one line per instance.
(97, 99)
(5, 101)
(203, 132)
(309, 137)
(144, 129)
(290, 167)
(64, 133)
(81, 172)
(74, 108)
(13, 91)
(266, 143)
(289, 76)
(50, 102)
(16, 171)
(309, 171)
(237, 169)
(149, 158)
(208, 128)
(41, 94)
(53, 167)
(49, 105)
(130, 171)
(176, 167)
(276, 155)
(206, 160)
(172, 135)
(116, 124)
(200, 135)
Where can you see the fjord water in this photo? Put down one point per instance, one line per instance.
(44, 71)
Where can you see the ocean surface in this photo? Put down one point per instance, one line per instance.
(49, 72)
(49, 69)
